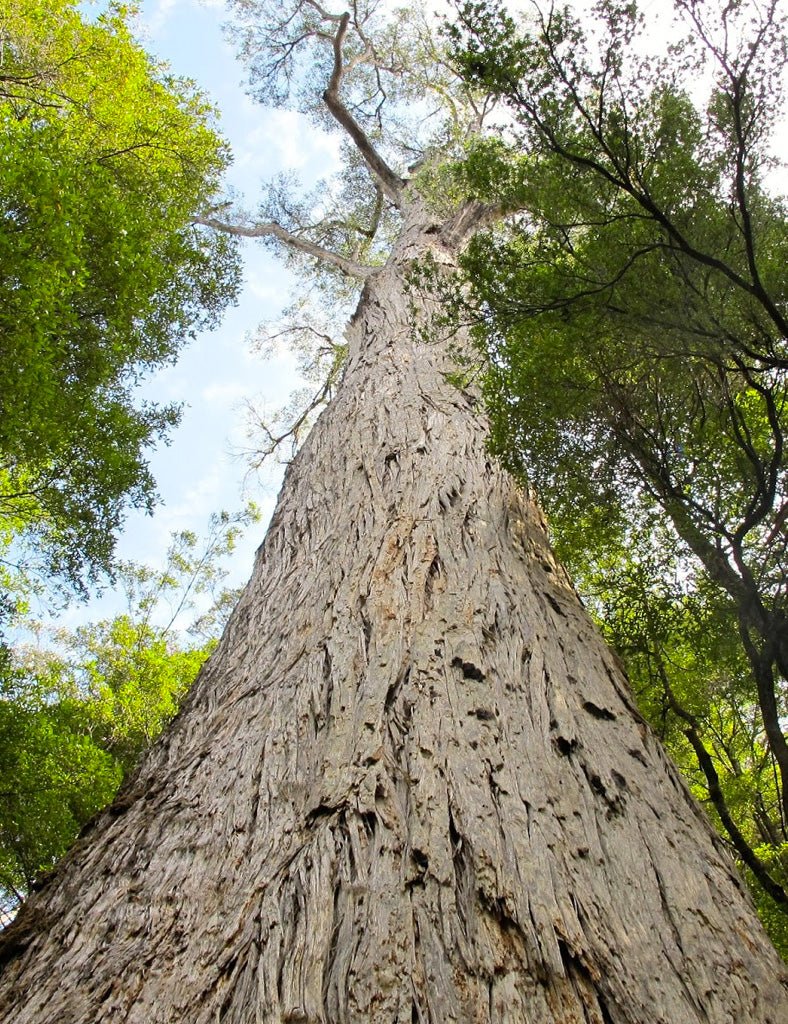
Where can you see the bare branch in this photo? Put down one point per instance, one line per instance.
(324, 14)
(293, 431)
(270, 229)
(390, 182)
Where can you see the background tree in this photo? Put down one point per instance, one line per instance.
(78, 708)
(105, 159)
(410, 784)
(635, 334)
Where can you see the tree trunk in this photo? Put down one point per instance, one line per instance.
(411, 785)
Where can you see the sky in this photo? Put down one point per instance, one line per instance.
(201, 471)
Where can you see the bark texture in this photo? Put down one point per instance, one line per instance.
(411, 785)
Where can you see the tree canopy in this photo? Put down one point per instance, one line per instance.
(632, 315)
(105, 158)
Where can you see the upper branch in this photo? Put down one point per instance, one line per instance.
(273, 230)
(390, 182)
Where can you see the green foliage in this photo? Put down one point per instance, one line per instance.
(776, 860)
(135, 677)
(677, 635)
(631, 316)
(105, 159)
(53, 775)
(75, 717)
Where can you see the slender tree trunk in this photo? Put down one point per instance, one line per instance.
(411, 785)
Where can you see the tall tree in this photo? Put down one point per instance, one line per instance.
(411, 784)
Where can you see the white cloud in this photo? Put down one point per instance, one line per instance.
(155, 16)
(227, 393)
(285, 140)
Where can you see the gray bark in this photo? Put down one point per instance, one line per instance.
(411, 785)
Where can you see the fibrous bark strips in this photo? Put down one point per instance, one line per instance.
(411, 784)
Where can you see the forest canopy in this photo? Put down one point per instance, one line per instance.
(631, 317)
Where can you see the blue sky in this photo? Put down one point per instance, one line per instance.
(201, 471)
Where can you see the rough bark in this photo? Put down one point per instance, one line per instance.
(411, 784)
